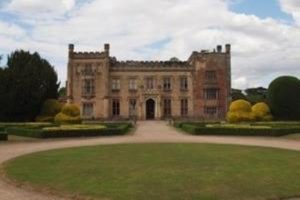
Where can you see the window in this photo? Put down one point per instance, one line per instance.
(88, 87)
(210, 110)
(183, 83)
(132, 107)
(167, 84)
(184, 107)
(149, 83)
(211, 94)
(88, 70)
(167, 107)
(115, 107)
(210, 75)
(115, 84)
(132, 84)
(87, 110)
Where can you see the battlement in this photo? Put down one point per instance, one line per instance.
(88, 55)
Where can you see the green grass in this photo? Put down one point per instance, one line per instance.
(163, 171)
(293, 136)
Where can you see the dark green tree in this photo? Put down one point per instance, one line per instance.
(237, 94)
(28, 81)
(62, 92)
(256, 95)
(284, 98)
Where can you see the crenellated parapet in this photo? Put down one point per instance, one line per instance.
(149, 65)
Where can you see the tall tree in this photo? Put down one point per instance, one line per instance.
(29, 81)
(256, 95)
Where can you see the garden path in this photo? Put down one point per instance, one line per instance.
(145, 132)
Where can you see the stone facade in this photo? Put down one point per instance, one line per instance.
(105, 88)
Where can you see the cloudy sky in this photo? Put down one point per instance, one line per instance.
(265, 34)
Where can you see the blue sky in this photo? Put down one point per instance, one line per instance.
(265, 34)
(261, 8)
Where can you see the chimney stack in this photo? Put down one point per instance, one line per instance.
(71, 50)
(228, 48)
(219, 48)
(106, 48)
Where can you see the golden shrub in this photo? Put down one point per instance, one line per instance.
(71, 110)
(240, 106)
(70, 114)
(262, 112)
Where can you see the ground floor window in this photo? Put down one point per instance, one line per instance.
(132, 107)
(116, 107)
(167, 105)
(210, 110)
(87, 109)
(184, 107)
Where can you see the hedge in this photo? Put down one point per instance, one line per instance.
(3, 136)
(40, 133)
(240, 131)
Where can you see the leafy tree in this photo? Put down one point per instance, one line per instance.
(256, 95)
(28, 81)
(62, 92)
(284, 98)
(237, 94)
(174, 59)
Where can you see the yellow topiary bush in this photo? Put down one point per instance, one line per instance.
(240, 111)
(71, 110)
(70, 114)
(262, 112)
(240, 106)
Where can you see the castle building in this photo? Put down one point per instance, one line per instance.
(106, 88)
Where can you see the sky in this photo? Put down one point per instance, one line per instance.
(265, 34)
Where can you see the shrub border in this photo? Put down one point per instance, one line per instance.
(200, 129)
(111, 130)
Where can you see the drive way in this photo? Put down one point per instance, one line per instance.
(146, 132)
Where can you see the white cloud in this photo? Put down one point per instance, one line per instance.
(38, 8)
(291, 7)
(262, 48)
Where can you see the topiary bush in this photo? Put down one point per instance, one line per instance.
(240, 111)
(262, 112)
(284, 98)
(50, 108)
(70, 114)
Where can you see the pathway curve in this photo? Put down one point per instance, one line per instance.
(146, 132)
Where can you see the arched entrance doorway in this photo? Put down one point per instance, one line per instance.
(150, 109)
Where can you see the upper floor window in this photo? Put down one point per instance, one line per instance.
(88, 70)
(210, 75)
(211, 94)
(132, 84)
(115, 84)
(167, 83)
(183, 83)
(149, 83)
(88, 87)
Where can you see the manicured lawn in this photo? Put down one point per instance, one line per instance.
(164, 171)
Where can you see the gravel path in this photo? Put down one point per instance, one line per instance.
(146, 132)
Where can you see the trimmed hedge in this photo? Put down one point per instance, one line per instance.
(110, 130)
(3, 136)
(240, 131)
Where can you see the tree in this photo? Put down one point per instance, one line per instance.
(174, 59)
(256, 95)
(62, 92)
(237, 94)
(28, 81)
(284, 98)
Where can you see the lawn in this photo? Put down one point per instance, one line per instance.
(163, 171)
